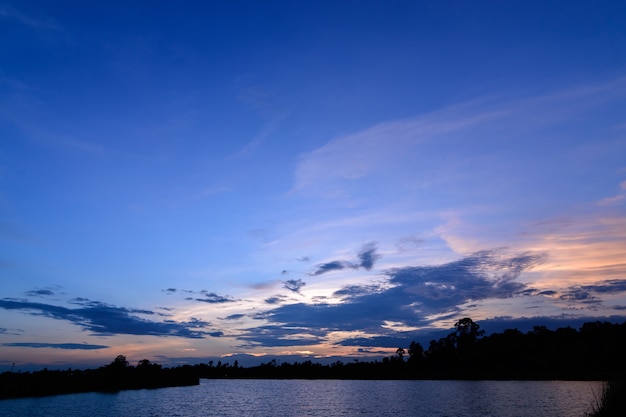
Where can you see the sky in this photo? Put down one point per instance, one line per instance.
(189, 180)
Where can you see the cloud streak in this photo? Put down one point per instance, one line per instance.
(66, 346)
(213, 298)
(104, 319)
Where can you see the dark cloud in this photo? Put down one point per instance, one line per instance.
(372, 351)
(70, 346)
(213, 298)
(234, 317)
(279, 336)
(380, 341)
(409, 295)
(579, 295)
(263, 285)
(294, 285)
(366, 259)
(608, 286)
(588, 294)
(355, 291)
(105, 319)
(526, 324)
(39, 293)
(4, 330)
(169, 290)
(482, 275)
(275, 299)
(368, 256)
(332, 266)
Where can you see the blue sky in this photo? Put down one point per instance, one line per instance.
(193, 180)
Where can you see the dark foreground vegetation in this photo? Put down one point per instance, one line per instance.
(593, 352)
(612, 402)
(116, 376)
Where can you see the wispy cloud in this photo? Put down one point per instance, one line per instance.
(410, 150)
(9, 12)
(378, 148)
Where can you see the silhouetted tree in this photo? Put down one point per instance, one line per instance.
(400, 352)
(416, 353)
(119, 362)
(466, 336)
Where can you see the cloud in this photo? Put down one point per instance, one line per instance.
(588, 294)
(408, 243)
(12, 332)
(410, 296)
(9, 12)
(482, 275)
(213, 298)
(69, 346)
(39, 293)
(332, 266)
(612, 201)
(355, 291)
(234, 317)
(380, 341)
(207, 297)
(279, 336)
(104, 319)
(263, 285)
(385, 146)
(368, 256)
(579, 295)
(294, 285)
(275, 299)
(607, 286)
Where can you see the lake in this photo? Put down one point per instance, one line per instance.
(265, 398)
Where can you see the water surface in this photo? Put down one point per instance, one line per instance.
(324, 398)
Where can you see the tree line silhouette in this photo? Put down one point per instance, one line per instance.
(594, 352)
(116, 376)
